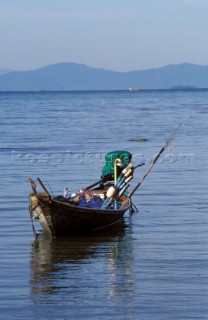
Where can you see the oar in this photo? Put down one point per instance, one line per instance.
(168, 143)
(42, 185)
(33, 185)
(94, 184)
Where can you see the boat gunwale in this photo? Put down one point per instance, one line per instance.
(50, 200)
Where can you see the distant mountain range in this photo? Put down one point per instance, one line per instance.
(4, 71)
(73, 76)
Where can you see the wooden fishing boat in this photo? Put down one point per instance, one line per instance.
(60, 217)
(63, 215)
(89, 209)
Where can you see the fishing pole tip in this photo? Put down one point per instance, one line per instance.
(169, 141)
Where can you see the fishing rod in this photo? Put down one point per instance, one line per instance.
(168, 144)
(123, 179)
(50, 188)
(109, 177)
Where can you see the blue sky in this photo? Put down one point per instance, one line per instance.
(120, 35)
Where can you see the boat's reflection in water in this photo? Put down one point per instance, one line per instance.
(102, 262)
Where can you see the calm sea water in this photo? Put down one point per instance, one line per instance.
(155, 266)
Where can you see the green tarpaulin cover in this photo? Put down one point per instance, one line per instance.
(110, 157)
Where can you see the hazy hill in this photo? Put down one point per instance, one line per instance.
(72, 76)
(4, 71)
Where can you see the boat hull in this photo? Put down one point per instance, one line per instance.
(61, 218)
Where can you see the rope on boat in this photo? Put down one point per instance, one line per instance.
(133, 209)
